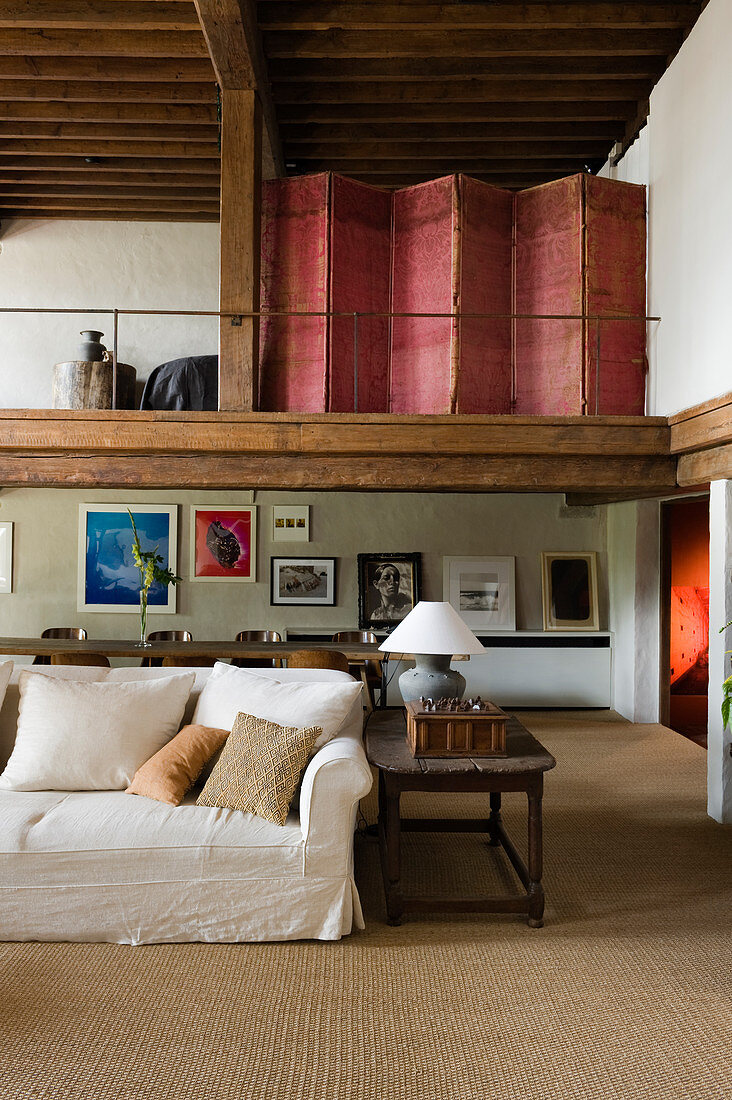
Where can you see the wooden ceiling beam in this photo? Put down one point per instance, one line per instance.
(14, 182)
(306, 15)
(134, 214)
(105, 190)
(117, 131)
(386, 151)
(463, 68)
(196, 166)
(111, 203)
(235, 47)
(162, 149)
(98, 15)
(429, 168)
(102, 43)
(460, 91)
(420, 132)
(501, 111)
(448, 42)
(72, 91)
(188, 114)
(106, 69)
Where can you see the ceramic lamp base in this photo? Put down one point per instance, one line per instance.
(431, 677)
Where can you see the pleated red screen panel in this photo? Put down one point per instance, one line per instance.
(360, 260)
(484, 364)
(615, 283)
(548, 353)
(295, 272)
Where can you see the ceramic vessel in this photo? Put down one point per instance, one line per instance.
(90, 349)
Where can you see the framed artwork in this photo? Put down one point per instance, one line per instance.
(108, 579)
(223, 544)
(302, 581)
(569, 590)
(388, 588)
(482, 591)
(6, 557)
(291, 523)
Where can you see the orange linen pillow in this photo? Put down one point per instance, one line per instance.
(168, 774)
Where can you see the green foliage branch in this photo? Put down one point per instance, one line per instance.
(150, 563)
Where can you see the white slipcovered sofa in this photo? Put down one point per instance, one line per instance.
(111, 866)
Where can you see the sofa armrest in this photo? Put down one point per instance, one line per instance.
(335, 780)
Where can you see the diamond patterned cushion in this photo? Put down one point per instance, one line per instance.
(259, 768)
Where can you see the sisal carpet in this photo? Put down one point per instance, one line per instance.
(625, 993)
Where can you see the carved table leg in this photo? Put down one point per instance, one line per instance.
(494, 821)
(536, 890)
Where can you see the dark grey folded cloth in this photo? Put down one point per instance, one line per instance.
(191, 383)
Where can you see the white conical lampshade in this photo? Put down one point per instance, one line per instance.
(432, 628)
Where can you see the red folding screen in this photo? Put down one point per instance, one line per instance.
(453, 245)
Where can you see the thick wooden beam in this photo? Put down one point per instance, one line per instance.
(89, 180)
(454, 112)
(13, 147)
(104, 190)
(425, 166)
(192, 115)
(456, 132)
(239, 236)
(82, 204)
(701, 467)
(464, 68)
(88, 91)
(460, 91)
(194, 166)
(448, 42)
(702, 426)
(107, 69)
(385, 151)
(110, 131)
(98, 15)
(235, 48)
(134, 214)
(103, 43)
(318, 16)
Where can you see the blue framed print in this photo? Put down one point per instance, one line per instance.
(108, 579)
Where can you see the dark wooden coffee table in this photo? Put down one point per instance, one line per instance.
(521, 770)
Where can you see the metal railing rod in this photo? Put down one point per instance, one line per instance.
(329, 313)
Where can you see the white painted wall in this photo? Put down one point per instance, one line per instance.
(684, 155)
(128, 265)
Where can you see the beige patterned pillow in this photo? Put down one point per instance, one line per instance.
(259, 768)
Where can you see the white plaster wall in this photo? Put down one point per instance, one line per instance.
(342, 525)
(621, 540)
(685, 156)
(106, 264)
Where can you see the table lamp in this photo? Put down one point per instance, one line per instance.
(433, 632)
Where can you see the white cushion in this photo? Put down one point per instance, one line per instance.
(231, 690)
(6, 671)
(76, 735)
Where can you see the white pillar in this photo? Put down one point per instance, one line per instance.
(719, 758)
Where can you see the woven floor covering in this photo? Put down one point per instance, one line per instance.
(624, 993)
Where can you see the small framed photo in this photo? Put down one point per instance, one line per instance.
(291, 523)
(223, 544)
(108, 579)
(388, 588)
(482, 591)
(6, 557)
(304, 581)
(569, 590)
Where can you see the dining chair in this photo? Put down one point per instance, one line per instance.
(318, 658)
(258, 636)
(80, 659)
(77, 632)
(164, 636)
(368, 670)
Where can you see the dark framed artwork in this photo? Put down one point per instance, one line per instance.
(302, 581)
(388, 588)
(569, 590)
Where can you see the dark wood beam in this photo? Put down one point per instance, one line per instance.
(98, 15)
(457, 132)
(448, 42)
(162, 149)
(72, 91)
(298, 114)
(464, 68)
(235, 48)
(701, 467)
(103, 43)
(116, 205)
(106, 69)
(13, 180)
(188, 165)
(134, 214)
(192, 115)
(110, 131)
(428, 168)
(385, 151)
(239, 247)
(305, 15)
(460, 91)
(103, 189)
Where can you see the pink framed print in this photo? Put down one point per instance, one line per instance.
(223, 544)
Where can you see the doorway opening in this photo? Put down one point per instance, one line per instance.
(686, 617)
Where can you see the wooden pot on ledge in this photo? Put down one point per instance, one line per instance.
(87, 384)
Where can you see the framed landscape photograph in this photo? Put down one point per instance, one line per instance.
(302, 581)
(482, 591)
(107, 578)
(223, 543)
(569, 590)
(291, 523)
(389, 586)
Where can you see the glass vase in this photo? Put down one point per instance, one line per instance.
(143, 619)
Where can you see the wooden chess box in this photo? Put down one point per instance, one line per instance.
(456, 733)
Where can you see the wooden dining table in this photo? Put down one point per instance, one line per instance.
(121, 647)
